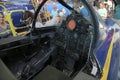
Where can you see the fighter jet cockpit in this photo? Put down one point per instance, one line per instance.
(64, 39)
(74, 35)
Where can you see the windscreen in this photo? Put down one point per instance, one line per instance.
(54, 13)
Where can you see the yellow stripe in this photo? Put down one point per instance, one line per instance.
(5, 32)
(108, 59)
